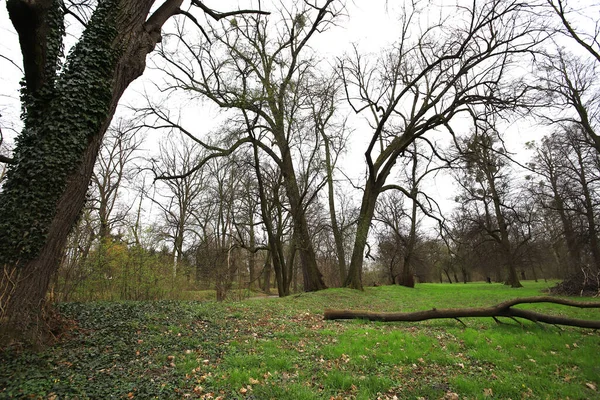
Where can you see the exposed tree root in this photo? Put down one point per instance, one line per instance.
(504, 309)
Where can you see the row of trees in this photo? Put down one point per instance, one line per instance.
(265, 188)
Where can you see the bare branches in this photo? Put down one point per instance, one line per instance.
(590, 42)
(81, 10)
(216, 15)
(422, 84)
(12, 62)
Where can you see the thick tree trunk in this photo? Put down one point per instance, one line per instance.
(511, 270)
(25, 281)
(313, 279)
(365, 216)
(276, 248)
(407, 277)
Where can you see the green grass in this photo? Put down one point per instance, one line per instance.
(282, 349)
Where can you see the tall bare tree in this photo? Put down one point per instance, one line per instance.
(113, 171)
(566, 74)
(552, 190)
(566, 188)
(485, 183)
(262, 71)
(324, 104)
(179, 192)
(433, 73)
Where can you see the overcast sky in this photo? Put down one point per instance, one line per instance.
(369, 24)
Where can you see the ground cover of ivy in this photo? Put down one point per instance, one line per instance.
(270, 348)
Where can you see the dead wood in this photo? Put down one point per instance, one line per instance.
(504, 309)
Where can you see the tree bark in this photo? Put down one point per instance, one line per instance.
(275, 255)
(365, 216)
(337, 232)
(313, 279)
(504, 309)
(24, 282)
(589, 205)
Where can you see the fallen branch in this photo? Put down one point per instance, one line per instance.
(504, 309)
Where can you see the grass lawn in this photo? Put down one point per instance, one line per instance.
(273, 348)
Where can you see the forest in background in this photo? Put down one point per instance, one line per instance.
(264, 201)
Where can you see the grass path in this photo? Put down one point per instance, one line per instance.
(282, 349)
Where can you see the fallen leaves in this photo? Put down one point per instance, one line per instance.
(451, 396)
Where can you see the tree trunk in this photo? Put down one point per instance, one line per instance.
(290, 264)
(313, 279)
(337, 232)
(407, 277)
(252, 257)
(63, 130)
(512, 278)
(448, 275)
(266, 286)
(365, 216)
(275, 255)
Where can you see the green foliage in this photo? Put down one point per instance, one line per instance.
(118, 348)
(115, 271)
(55, 47)
(59, 120)
(282, 348)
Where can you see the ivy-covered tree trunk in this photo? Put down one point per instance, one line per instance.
(66, 111)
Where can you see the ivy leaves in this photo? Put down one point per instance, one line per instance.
(59, 120)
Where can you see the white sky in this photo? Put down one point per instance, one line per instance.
(368, 24)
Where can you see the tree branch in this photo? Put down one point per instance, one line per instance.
(503, 309)
(7, 160)
(219, 15)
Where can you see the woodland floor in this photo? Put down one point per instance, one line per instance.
(283, 349)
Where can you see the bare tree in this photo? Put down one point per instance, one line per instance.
(114, 170)
(434, 72)
(417, 166)
(485, 183)
(571, 91)
(566, 74)
(67, 107)
(334, 137)
(552, 188)
(575, 19)
(179, 191)
(276, 222)
(262, 72)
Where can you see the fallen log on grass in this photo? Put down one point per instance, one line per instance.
(504, 309)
